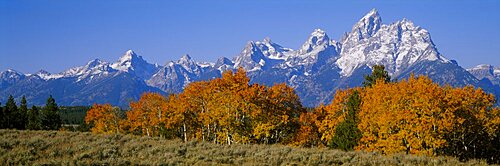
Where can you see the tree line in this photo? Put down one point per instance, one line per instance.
(413, 116)
(21, 118)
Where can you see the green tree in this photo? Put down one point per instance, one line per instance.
(51, 119)
(10, 113)
(33, 119)
(378, 73)
(2, 117)
(347, 134)
(22, 117)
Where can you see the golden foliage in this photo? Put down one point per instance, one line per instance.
(104, 118)
(415, 116)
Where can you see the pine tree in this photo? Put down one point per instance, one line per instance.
(10, 113)
(347, 134)
(22, 114)
(378, 73)
(50, 116)
(33, 119)
(2, 117)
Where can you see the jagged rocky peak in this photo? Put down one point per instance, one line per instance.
(317, 38)
(132, 63)
(368, 25)
(272, 50)
(188, 63)
(223, 64)
(223, 61)
(485, 69)
(489, 72)
(250, 48)
(41, 71)
(397, 46)
(250, 57)
(128, 60)
(406, 24)
(94, 63)
(185, 59)
(482, 67)
(11, 73)
(267, 40)
(129, 55)
(43, 74)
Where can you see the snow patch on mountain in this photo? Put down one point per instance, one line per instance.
(132, 63)
(396, 46)
(489, 72)
(45, 75)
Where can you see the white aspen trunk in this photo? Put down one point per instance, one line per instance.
(184, 131)
(208, 132)
(215, 134)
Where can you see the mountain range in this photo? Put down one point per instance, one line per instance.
(316, 70)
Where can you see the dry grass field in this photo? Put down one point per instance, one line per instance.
(83, 148)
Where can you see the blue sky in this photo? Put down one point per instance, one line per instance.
(55, 35)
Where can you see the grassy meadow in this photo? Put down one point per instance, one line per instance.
(83, 148)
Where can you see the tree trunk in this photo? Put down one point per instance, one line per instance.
(184, 131)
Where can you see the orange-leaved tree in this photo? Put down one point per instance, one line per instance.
(104, 118)
(404, 117)
(147, 116)
(333, 114)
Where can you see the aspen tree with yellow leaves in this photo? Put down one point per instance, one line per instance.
(104, 118)
(413, 116)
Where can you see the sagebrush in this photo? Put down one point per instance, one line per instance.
(82, 148)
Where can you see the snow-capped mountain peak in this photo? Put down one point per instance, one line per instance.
(46, 75)
(223, 64)
(250, 56)
(185, 59)
(396, 46)
(11, 73)
(42, 72)
(10, 76)
(272, 50)
(127, 60)
(267, 40)
(94, 63)
(482, 67)
(368, 25)
(317, 38)
(187, 63)
(490, 72)
(135, 64)
(128, 55)
(223, 61)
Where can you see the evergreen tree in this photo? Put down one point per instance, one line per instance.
(10, 113)
(22, 114)
(33, 119)
(2, 117)
(378, 73)
(347, 134)
(51, 120)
